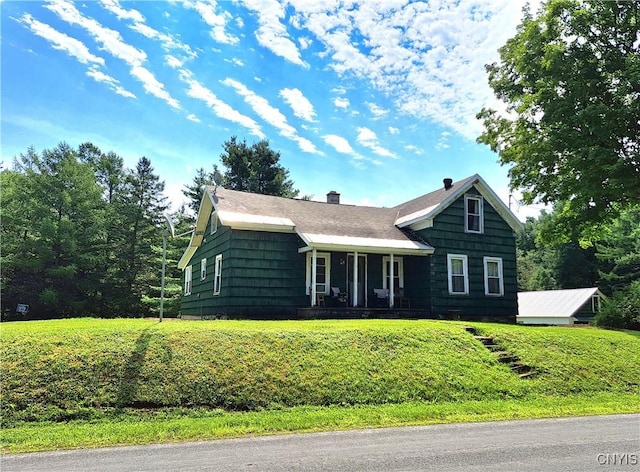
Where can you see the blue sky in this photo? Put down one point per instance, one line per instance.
(373, 99)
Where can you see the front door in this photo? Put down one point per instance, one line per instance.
(357, 290)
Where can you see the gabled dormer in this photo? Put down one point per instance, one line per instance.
(421, 212)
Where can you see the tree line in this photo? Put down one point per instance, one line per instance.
(82, 234)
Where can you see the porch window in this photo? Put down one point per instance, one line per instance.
(493, 279)
(217, 276)
(398, 272)
(187, 280)
(458, 272)
(474, 221)
(203, 269)
(322, 272)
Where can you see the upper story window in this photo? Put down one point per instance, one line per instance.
(214, 222)
(458, 274)
(187, 280)
(473, 217)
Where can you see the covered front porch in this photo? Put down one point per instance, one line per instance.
(366, 283)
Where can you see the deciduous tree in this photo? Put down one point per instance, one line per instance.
(570, 79)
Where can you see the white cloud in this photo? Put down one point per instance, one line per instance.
(342, 102)
(193, 118)
(270, 114)
(115, 7)
(139, 25)
(271, 33)
(220, 109)
(301, 106)
(218, 23)
(235, 61)
(376, 111)
(368, 138)
(112, 82)
(414, 149)
(112, 42)
(61, 41)
(393, 130)
(341, 145)
(428, 57)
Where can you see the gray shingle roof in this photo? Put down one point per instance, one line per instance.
(311, 217)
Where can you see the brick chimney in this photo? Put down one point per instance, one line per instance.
(333, 197)
(448, 183)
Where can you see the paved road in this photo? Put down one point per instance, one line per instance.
(594, 443)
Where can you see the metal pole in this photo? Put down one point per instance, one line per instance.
(164, 263)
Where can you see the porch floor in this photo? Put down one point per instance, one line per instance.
(356, 313)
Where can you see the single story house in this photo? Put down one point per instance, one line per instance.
(559, 307)
(259, 256)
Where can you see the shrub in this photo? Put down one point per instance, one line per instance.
(622, 310)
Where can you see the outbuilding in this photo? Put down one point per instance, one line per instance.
(559, 307)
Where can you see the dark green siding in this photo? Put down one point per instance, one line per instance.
(448, 237)
(263, 275)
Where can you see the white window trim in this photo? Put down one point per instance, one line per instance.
(486, 261)
(465, 270)
(217, 275)
(327, 271)
(203, 269)
(385, 261)
(188, 271)
(214, 222)
(480, 210)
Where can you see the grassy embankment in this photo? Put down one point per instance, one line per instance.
(87, 382)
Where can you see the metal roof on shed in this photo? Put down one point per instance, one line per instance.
(554, 303)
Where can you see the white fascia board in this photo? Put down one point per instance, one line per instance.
(416, 217)
(370, 245)
(495, 201)
(206, 206)
(256, 222)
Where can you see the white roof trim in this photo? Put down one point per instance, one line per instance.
(418, 215)
(372, 245)
(245, 221)
(482, 187)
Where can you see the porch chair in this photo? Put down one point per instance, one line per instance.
(339, 297)
(382, 297)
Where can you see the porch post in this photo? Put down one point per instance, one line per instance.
(391, 281)
(314, 275)
(355, 279)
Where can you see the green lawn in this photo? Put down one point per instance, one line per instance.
(84, 382)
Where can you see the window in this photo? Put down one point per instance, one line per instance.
(458, 272)
(187, 280)
(214, 222)
(217, 275)
(203, 269)
(322, 272)
(473, 214)
(595, 303)
(493, 280)
(398, 272)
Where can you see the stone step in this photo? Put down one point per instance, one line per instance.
(530, 373)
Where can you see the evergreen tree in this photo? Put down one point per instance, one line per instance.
(255, 169)
(140, 209)
(53, 216)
